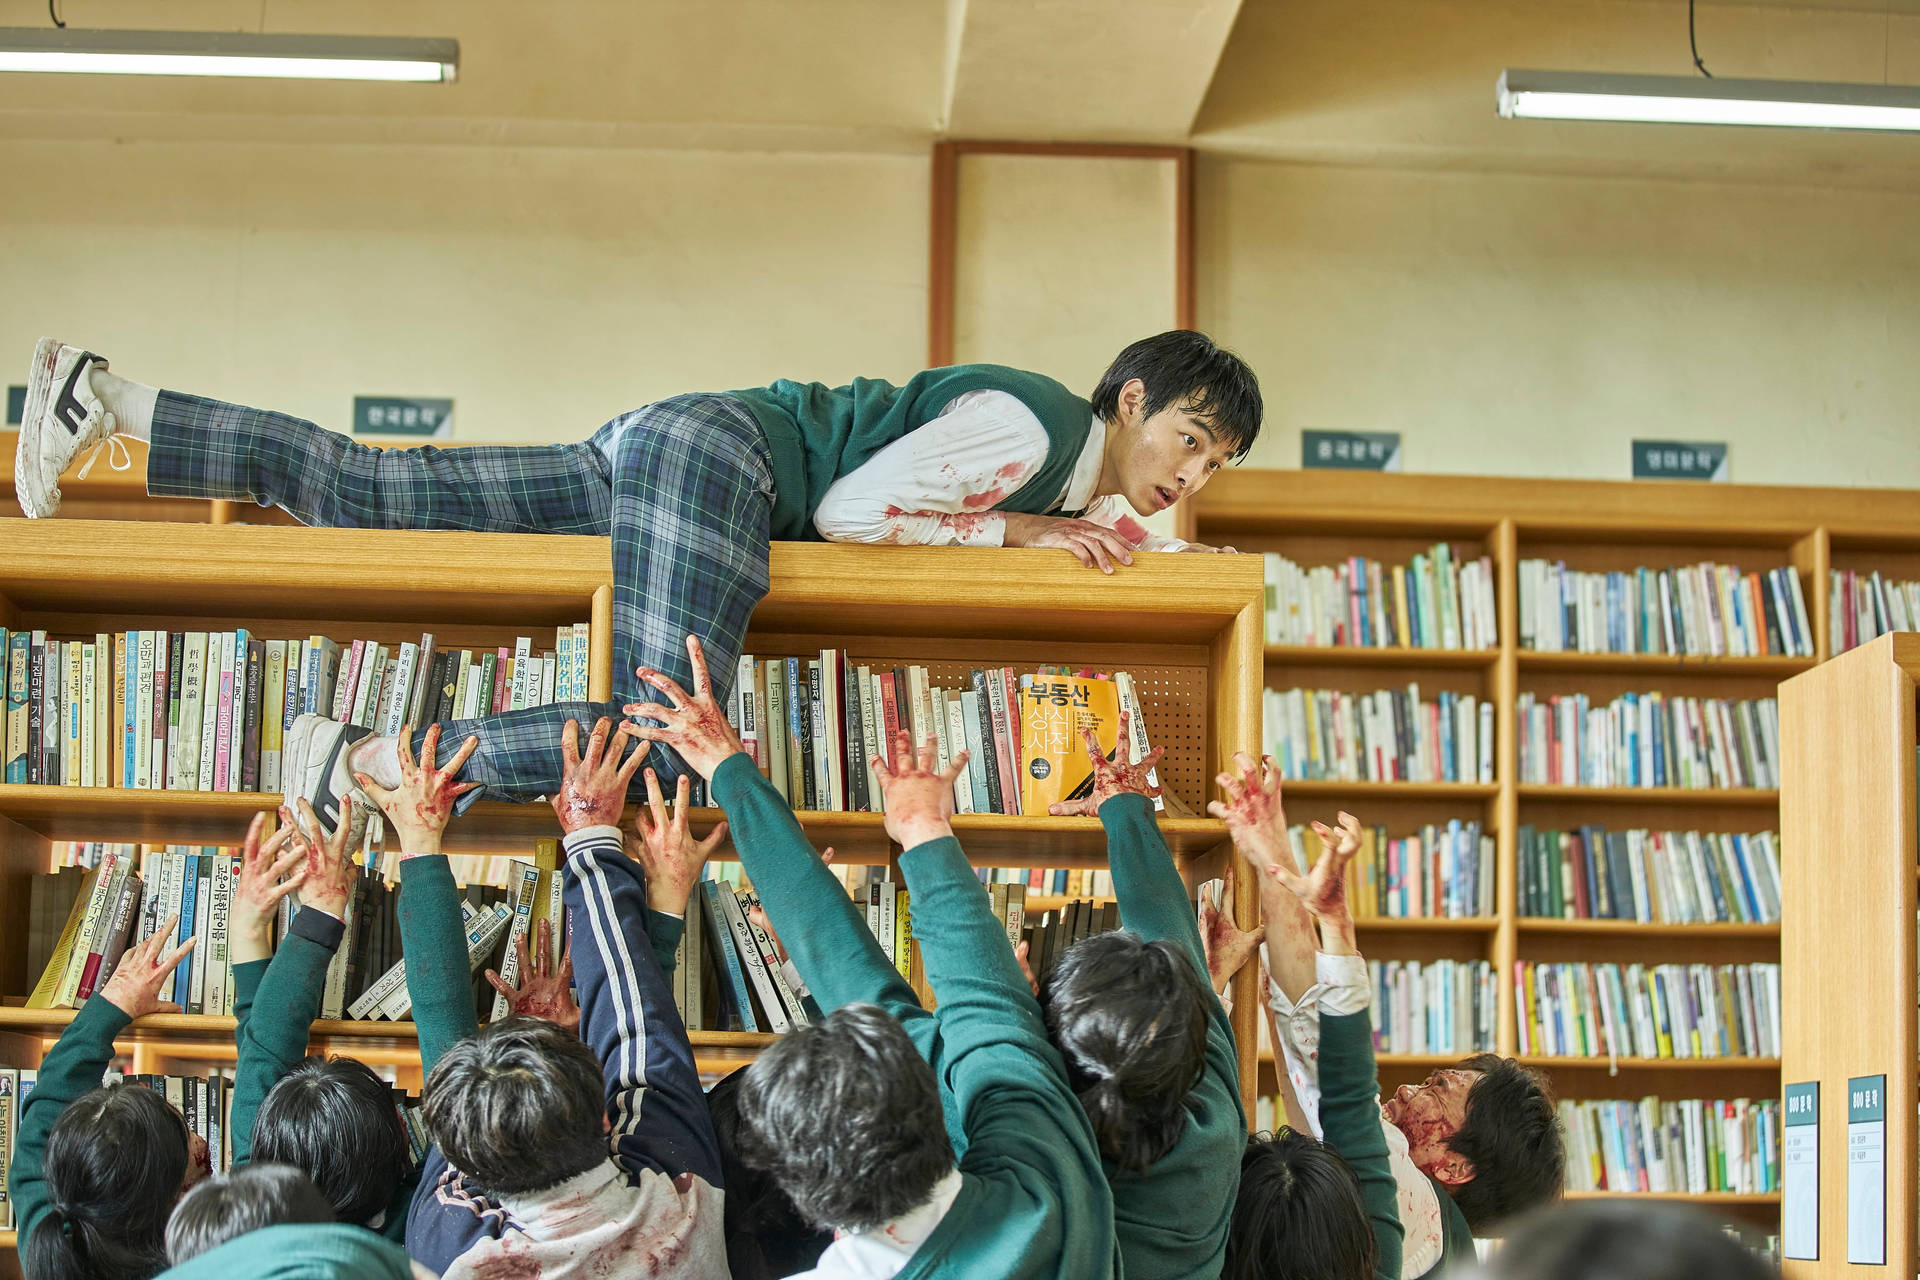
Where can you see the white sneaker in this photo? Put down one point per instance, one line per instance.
(62, 417)
(314, 766)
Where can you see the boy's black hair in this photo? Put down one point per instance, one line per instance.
(335, 1119)
(1513, 1138)
(1130, 1018)
(520, 1107)
(1185, 368)
(1606, 1240)
(219, 1209)
(845, 1115)
(115, 1160)
(766, 1236)
(1298, 1214)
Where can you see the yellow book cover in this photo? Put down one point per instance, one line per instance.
(1053, 711)
(903, 935)
(49, 983)
(547, 904)
(1529, 976)
(1402, 623)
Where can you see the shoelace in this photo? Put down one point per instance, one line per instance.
(113, 442)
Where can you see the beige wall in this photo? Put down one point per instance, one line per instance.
(544, 289)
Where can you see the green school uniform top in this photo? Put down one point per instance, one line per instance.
(1174, 1218)
(317, 1251)
(72, 1068)
(1033, 1201)
(816, 434)
(1350, 1121)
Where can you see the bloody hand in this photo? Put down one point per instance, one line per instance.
(919, 800)
(1111, 777)
(420, 807)
(542, 991)
(694, 726)
(667, 851)
(593, 791)
(134, 987)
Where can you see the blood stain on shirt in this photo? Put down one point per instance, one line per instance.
(1130, 529)
(983, 501)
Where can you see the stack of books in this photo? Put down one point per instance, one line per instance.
(1867, 605)
(1439, 601)
(1669, 877)
(1693, 1146)
(1439, 1007)
(1388, 736)
(1649, 1011)
(208, 711)
(1443, 872)
(1704, 609)
(1649, 740)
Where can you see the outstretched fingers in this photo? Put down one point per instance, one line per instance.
(697, 656)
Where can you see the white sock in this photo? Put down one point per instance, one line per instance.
(378, 757)
(130, 403)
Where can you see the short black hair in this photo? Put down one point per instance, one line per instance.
(1298, 1214)
(766, 1236)
(845, 1114)
(1513, 1139)
(335, 1119)
(519, 1107)
(218, 1209)
(114, 1163)
(1624, 1240)
(1185, 368)
(1130, 1018)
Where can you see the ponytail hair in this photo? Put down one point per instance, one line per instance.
(114, 1164)
(1130, 1018)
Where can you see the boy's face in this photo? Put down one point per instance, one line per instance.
(1156, 461)
(1429, 1114)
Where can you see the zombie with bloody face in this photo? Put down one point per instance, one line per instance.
(690, 490)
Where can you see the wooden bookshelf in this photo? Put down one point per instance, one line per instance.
(1323, 517)
(1189, 628)
(1847, 807)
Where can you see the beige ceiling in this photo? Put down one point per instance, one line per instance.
(1350, 82)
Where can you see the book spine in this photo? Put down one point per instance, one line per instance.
(799, 768)
(220, 700)
(196, 718)
(273, 702)
(251, 714)
(740, 930)
(716, 896)
(202, 930)
(346, 693)
(424, 695)
(176, 674)
(582, 639)
(140, 713)
(795, 1011)
(526, 881)
(989, 752)
(215, 996)
(502, 666)
(18, 649)
(744, 714)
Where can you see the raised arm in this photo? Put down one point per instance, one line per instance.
(1258, 824)
(431, 937)
(655, 1105)
(829, 942)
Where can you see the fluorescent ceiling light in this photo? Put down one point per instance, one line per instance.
(1581, 95)
(227, 53)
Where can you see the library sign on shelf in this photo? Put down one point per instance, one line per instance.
(1800, 1171)
(402, 416)
(16, 405)
(1350, 450)
(1680, 460)
(1867, 1170)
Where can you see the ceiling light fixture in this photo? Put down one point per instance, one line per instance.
(228, 53)
(1583, 95)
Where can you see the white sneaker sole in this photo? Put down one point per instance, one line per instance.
(319, 747)
(37, 497)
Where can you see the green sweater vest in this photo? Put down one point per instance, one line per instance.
(816, 433)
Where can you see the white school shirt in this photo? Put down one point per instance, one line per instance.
(886, 1250)
(1342, 986)
(928, 487)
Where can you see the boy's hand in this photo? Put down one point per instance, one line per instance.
(258, 891)
(1020, 951)
(1227, 945)
(1323, 891)
(1112, 777)
(1203, 547)
(134, 988)
(758, 914)
(593, 791)
(1254, 815)
(543, 991)
(421, 805)
(919, 801)
(327, 880)
(695, 727)
(667, 851)
(1095, 545)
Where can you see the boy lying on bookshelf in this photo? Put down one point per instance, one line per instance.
(522, 1113)
(690, 490)
(1470, 1145)
(1328, 1208)
(1026, 1197)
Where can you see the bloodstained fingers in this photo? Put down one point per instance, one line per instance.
(596, 745)
(250, 850)
(929, 752)
(429, 745)
(570, 744)
(460, 757)
(902, 753)
(955, 767)
(682, 802)
(697, 656)
(667, 685)
(656, 802)
(403, 747)
(714, 838)
(624, 774)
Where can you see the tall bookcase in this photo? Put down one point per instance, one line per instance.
(1188, 629)
(1323, 517)
(1847, 809)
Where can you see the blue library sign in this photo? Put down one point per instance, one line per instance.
(1350, 450)
(402, 416)
(1680, 460)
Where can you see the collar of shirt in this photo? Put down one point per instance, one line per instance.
(1086, 470)
(600, 1192)
(900, 1237)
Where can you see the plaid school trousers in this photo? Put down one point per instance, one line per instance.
(684, 487)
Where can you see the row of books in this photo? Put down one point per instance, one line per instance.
(1692, 1146)
(1391, 735)
(1865, 605)
(1669, 877)
(1435, 1007)
(1700, 609)
(1444, 872)
(814, 724)
(1438, 601)
(1649, 740)
(1649, 1011)
(207, 711)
